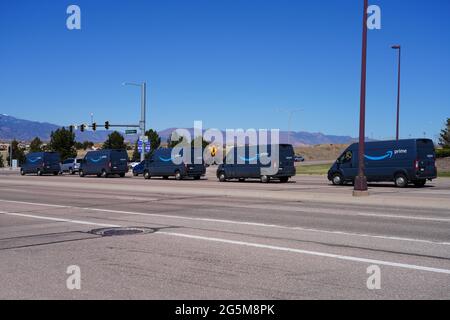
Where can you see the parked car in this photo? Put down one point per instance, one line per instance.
(298, 158)
(402, 161)
(41, 163)
(247, 164)
(139, 168)
(104, 163)
(71, 165)
(162, 164)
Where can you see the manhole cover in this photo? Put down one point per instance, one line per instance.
(110, 232)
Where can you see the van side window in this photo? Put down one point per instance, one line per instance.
(346, 157)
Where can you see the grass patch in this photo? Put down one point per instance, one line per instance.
(313, 169)
(445, 174)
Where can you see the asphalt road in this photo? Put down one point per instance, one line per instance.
(210, 240)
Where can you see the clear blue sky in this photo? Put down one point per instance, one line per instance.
(230, 63)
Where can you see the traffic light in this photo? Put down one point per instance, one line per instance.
(94, 126)
(82, 127)
(107, 125)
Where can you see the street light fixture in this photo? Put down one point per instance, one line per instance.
(360, 188)
(399, 48)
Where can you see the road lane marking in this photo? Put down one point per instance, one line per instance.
(250, 244)
(307, 252)
(255, 224)
(59, 219)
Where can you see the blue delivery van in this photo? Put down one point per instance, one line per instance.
(104, 163)
(41, 163)
(404, 162)
(247, 163)
(162, 163)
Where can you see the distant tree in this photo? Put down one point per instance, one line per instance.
(17, 153)
(87, 145)
(154, 139)
(63, 142)
(178, 140)
(115, 141)
(2, 163)
(444, 140)
(36, 145)
(78, 146)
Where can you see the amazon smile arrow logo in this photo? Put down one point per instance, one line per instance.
(388, 154)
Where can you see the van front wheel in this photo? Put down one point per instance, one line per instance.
(39, 172)
(401, 181)
(337, 180)
(178, 175)
(81, 173)
(22, 172)
(147, 175)
(222, 177)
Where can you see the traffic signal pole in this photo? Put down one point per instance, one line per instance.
(143, 114)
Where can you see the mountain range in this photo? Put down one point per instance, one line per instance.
(26, 130)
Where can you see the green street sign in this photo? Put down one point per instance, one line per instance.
(130, 131)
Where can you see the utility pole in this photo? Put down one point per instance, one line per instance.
(399, 48)
(10, 155)
(291, 115)
(360, 188)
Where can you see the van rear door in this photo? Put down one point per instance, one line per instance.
(425, 164)
(119, 160)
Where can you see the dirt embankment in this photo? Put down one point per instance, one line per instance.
(443, 164)
(321, 152)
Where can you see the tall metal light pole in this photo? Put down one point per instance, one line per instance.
(399, 48)
(143, 87)
(291, 115)
(360, 188)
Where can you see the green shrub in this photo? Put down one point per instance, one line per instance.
(443, 153)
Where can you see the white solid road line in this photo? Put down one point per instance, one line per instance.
(59, 219)
(244, 223)
(313, 253)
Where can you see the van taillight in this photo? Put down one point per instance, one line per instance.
(416, 164)
(109, 164)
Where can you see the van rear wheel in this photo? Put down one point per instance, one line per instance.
(104, 174)
(284, 179)
(39, 172)
(420, 183)
(265, 179)
(178, 175)
(401, 181)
